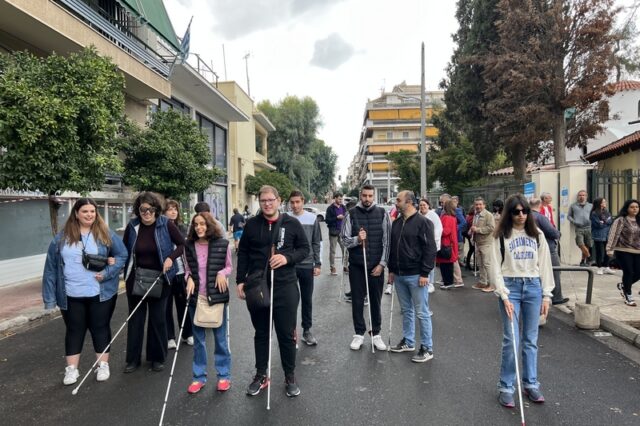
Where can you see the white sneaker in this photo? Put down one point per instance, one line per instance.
(189, 341)
(102, 372)
(171, 344)
(600, 271)
(389, 289)
(356, 343)
(378, 343)
(71, 375)
(432, 288)
(609, 271)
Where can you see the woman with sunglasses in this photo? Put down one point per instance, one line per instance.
(523, 277)
(154, 243)
(86, 298)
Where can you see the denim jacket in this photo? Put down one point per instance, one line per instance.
(53, 286)
(163, 242)
(600, 227)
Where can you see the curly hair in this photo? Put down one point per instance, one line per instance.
(151, 198)
(214, 230)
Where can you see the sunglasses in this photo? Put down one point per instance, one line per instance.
(517, 212)
(144, 210)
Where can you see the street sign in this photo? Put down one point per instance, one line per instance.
(529, 190)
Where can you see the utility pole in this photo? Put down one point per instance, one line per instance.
(423, 148)
(246, 63)
(224, 60)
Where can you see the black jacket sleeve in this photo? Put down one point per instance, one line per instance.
(428, 245)
(330, 216)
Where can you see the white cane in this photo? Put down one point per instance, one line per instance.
(270, 337)
(390, 319)
(175, 358)
(341, 290)
(228, 330)
(366, 280)
(515, 358)
(75, 391)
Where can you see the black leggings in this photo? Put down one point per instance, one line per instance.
(84, 313)
(446, 269)
(630, 264)
(602, 260)
(305, 278)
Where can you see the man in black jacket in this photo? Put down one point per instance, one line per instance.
(412, 257)
(333, 218)
(260, 234)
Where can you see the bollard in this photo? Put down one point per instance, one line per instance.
(587, 316)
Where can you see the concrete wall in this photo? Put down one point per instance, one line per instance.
(573, 178)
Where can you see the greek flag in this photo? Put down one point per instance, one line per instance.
(185, 44)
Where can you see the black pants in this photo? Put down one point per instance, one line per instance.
(285, 311)
(179, 294)
(630, 264)
(446, 269)
(305, 279)
(472, 248)
(84, 313)
(358, 293)
(156, 327)
(601, 258)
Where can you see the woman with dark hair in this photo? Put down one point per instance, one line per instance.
(624, 240)
(154, 243)
(86, 297)
(208, 266)
(497, 207)
(472, 247)
(448, 244)
(600, 223)
(178, 284)
(523, 277)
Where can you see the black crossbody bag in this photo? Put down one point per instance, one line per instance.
(93, 262)
(256, 287)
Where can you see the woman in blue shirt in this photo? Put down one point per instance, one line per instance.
(86, 298)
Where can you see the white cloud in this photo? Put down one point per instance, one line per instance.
(331, 52)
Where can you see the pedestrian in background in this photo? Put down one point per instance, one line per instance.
(580, 216)
(472, 248)
(624, 242)
(367, 224)
(308, 268)
(333, 218)
(411, 260)
(178, 291)
(426, 211)
(236, 223)
(154, 243)
(481, 233)
(496, 209)
(260, 234)
(601, 221)
(448, 253)
(86, 298)
(545, 207)
(208, 267)
(461, 223)
(523, 276)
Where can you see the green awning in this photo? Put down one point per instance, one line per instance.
(155, 14)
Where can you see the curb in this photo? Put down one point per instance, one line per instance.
(617, 328)
(25, 321)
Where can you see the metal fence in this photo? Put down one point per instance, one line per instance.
(491, 192)
(616, 186)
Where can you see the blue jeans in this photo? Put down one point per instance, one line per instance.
(526, 296)
(222, 355)
(414, 302)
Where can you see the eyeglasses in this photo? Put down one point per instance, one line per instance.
(144, 210)
(269, 201)
(517, 212)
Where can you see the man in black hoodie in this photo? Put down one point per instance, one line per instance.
(412, 257)
(254, 252)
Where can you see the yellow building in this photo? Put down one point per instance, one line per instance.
(391, 124)
(248, 142)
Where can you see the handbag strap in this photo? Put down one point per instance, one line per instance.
(275, 230)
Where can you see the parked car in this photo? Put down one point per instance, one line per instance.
(319, 214)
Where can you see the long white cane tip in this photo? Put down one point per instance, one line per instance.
(74, 392)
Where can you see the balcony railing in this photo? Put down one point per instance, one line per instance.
(118, 31)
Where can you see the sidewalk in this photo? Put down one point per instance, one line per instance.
(22, 306)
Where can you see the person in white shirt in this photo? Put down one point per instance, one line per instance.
(523, 277)
(425, 210)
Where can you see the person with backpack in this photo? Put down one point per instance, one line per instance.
(333, 218)
(523, 277)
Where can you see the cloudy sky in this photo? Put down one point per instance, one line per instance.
(339, 52)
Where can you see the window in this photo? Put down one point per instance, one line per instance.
(217, 137)
(389, 135)
(638, 108)
(259, 144)
(405, 135)
(174, 104)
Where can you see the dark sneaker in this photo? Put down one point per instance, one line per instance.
(621, 290)
(534, 395)
(347, 297)
(259, 382)
(308, 338)
(402, 347)
(506, 399)
(446, 286)
(560, 302)
(292, 388)
(423, 355)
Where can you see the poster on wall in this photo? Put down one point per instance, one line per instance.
(216, 197)
(529, 190)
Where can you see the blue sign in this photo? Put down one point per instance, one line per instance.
(564, 192)
(529, 189)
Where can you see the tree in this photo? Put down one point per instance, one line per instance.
(455, 166)
(58, 120)
(324, 161)
(625, 56)
(171, 156)
(407, 167)
(552, 57)
(278, 180)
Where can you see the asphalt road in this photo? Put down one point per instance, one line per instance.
(585, 381)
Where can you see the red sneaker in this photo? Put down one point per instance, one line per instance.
(195, 387)
(224, 385)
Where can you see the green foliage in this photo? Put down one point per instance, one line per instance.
(456, 166)
(407, 167)
(171, 156)
(294, 148)
(58, 118)
(278, 180)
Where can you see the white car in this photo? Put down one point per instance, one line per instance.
(315, 211)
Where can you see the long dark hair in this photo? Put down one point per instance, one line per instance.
(214, 231)
(99, 229)
(505, 226)
(597, 206)
(624, 211)
(173, 203)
